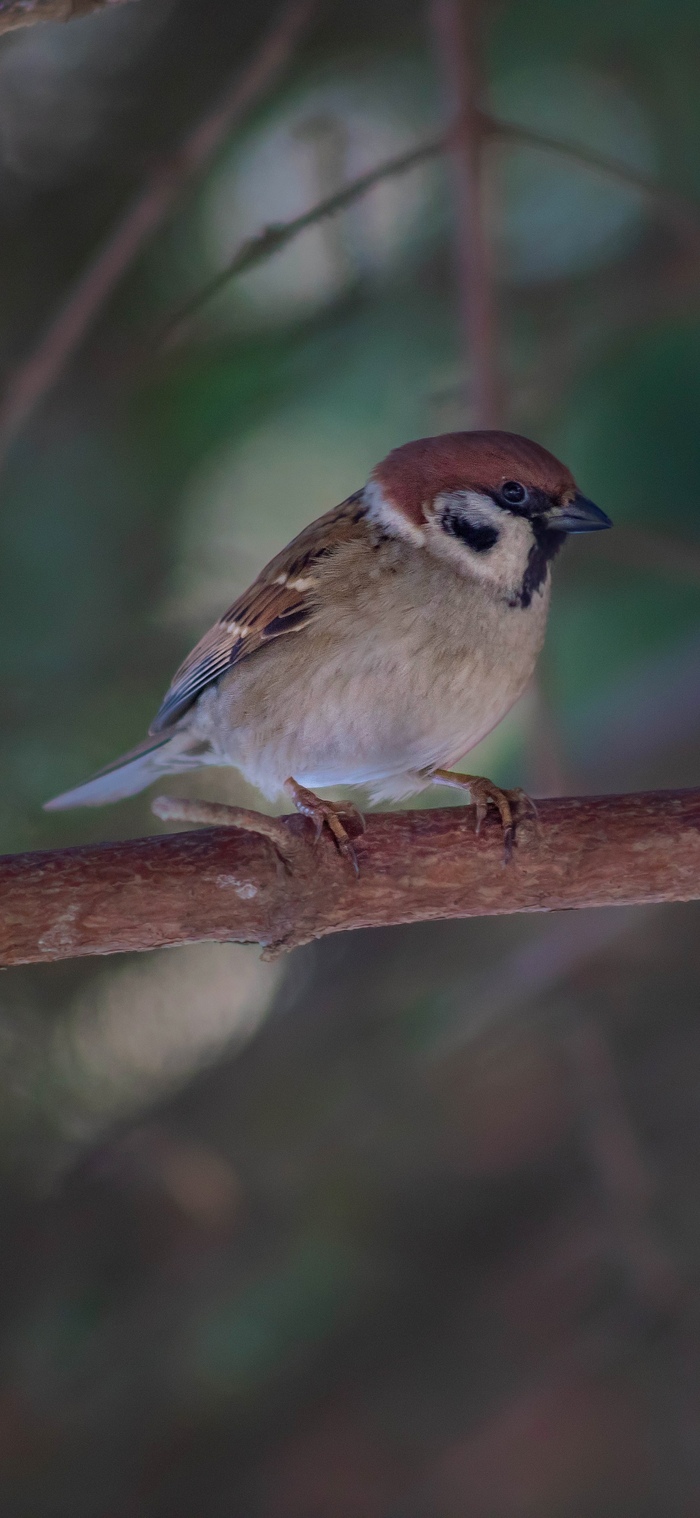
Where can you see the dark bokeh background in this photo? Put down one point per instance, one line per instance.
(408, 1226)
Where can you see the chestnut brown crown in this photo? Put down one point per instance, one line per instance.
(480, 461)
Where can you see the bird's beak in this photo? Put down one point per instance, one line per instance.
(579, 516)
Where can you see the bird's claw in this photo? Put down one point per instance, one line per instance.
(329, 814)
(507, 804)
(484, 793)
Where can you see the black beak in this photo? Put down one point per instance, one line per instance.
(579, 516)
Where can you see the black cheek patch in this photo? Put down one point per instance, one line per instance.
(477, 535)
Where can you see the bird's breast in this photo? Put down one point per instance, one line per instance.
(396, 673)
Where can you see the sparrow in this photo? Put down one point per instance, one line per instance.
(379, 646)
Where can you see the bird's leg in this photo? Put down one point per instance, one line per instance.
(322, 813)
(484, 791)
(328, 814)
(216, 814)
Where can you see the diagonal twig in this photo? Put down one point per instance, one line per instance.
(617, 1162)
(275, 237)
(255, 250)
(148, 210)
(33, 379)
(527, 974)
(15, 13)
(681, 209)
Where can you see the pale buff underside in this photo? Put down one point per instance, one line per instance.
(406, 666)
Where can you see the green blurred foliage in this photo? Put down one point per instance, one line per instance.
(339, 1256)
(94, 495)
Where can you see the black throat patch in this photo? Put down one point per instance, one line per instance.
(545, 547)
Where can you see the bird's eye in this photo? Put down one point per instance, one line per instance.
(513, 492)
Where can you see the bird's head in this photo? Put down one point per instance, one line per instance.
(494, 504)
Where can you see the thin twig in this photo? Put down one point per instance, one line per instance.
(273, 238)
(455, 26)
(677, 208)
(629, 301)
(614, 1153)
(546, 772)
(530, 972)
(34, 378)
(15, 13)
(255, 250)
(39, 372)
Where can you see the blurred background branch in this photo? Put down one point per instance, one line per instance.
(144, 216)
(275, 237)
(457, 28)
(456, 31)
(14, 13)
(680, 210)
(391, 1225)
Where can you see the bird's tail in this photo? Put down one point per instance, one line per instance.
(132, 772)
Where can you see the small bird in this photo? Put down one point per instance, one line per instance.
(381, 645)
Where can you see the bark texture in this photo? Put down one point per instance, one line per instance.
(219, 884)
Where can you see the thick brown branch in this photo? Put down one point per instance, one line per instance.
(218, 885)
(14, 13)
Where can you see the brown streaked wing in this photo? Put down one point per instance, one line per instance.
(280, 601)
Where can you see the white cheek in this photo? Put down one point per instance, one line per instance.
(510, 555)
(502, 566)
(445, 546)
(481, 507)
(481, 511)
(389, 517)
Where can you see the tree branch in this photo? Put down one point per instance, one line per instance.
(33, 379)
(255, 250)
(679, 209)
(14, 13)
(683, 212)
(41, 369)
(218, 885)
(456, 26)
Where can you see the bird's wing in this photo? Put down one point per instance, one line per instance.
(280, 601)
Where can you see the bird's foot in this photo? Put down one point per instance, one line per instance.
(329, 814)
(483, 792)
(216, 814)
